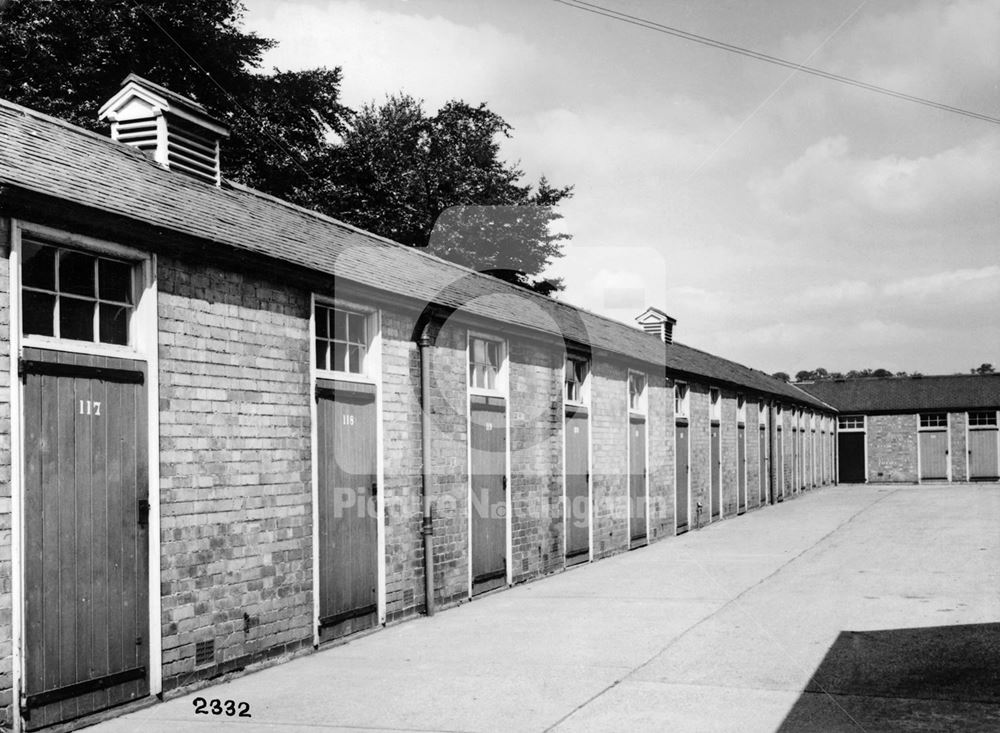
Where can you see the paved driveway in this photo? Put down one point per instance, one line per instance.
(851, 608)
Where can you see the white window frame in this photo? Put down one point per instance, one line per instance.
(922, 415)
(715, 404)
(140, 341)
(852, 428)
(986, 425)
(762, 411)
(370, 313)
(682, 401)
(502, 371)
(741, 409)
(643, 402)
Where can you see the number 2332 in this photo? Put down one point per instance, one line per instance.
(221, 707)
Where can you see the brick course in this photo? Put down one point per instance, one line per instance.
(892, 448)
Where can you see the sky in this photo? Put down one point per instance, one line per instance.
(786, 221)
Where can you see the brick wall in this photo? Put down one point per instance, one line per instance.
(450, 461)
(661, 458)
(6, 627)
(699, 437)
(536, 455)
(959, 447)
(234, 465)
(609, 426)
(892, 447)
(402, 490)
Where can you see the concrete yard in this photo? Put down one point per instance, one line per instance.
(853, 608)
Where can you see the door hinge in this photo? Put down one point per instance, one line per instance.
(504, 483)
(142, 507)
(374, 488)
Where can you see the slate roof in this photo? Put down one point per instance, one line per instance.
(40, 154)
(909, 394)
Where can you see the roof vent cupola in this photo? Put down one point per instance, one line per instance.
(658, 323)
(178, 132)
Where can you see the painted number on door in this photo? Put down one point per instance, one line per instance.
(348, 419)
(89, 407)
(489, 426)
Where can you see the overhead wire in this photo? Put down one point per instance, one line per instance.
(594, 8)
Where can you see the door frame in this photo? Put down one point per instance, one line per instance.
(643, 413)
(864, 430)
(372, 376)
(585, 403)
(947, 448)
(968, 462)
(146, 339)
(503, 380)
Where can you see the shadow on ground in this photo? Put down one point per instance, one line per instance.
(940, 678)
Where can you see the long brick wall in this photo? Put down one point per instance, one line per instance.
(235, 489)
(892, 448)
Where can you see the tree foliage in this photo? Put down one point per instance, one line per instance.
(983, 369)
(391, 168)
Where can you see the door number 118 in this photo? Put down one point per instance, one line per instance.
(88, 407)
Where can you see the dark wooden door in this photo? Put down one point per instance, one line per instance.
(983, 454)
(681, 474)
(851, 456)
(86, 542)
(489, 493)
(348, 527)
(934, 455)
(716, 478)
(637, 481)
(762, 456)
(577, 486)
(741, 467)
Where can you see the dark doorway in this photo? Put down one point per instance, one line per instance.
(851, 454)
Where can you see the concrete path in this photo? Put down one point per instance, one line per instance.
(851, 608)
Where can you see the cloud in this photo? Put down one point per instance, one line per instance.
(827, 184)
(383, 52)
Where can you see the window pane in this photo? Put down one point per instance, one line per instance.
(76, 319)
(491, 377)
(493, 352)
(38, 266)
(115, 280)
(478, 351)
(322, 314)
(38, 313)
(114, 323)
(340, 325)
(322, 349)
(354, 359)
(76, 273)
(356, 328)
(339, 362)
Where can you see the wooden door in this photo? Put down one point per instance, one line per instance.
(933, 455)
(637, 481)
(577, 486)
(86, 541)
(851, 456)
(983, 463)
(762, 455)
(741, 468)
(489, 493)
(716, 479)
(348, 527)
(681, 473)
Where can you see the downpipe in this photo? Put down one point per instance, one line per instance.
(427, 526)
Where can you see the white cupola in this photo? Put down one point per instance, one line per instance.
(178, 132)
(656, 322)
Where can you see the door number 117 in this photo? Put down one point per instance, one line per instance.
(88, 407)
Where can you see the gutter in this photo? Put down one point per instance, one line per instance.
(427, 525)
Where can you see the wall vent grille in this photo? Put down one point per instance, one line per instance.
(204, 653)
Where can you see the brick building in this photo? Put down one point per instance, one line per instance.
(232, 429)
(939, 428)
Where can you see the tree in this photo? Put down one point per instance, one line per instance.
(782, 375)
(437, 181)
(279, 122)
(984, 369)
(390, 169)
